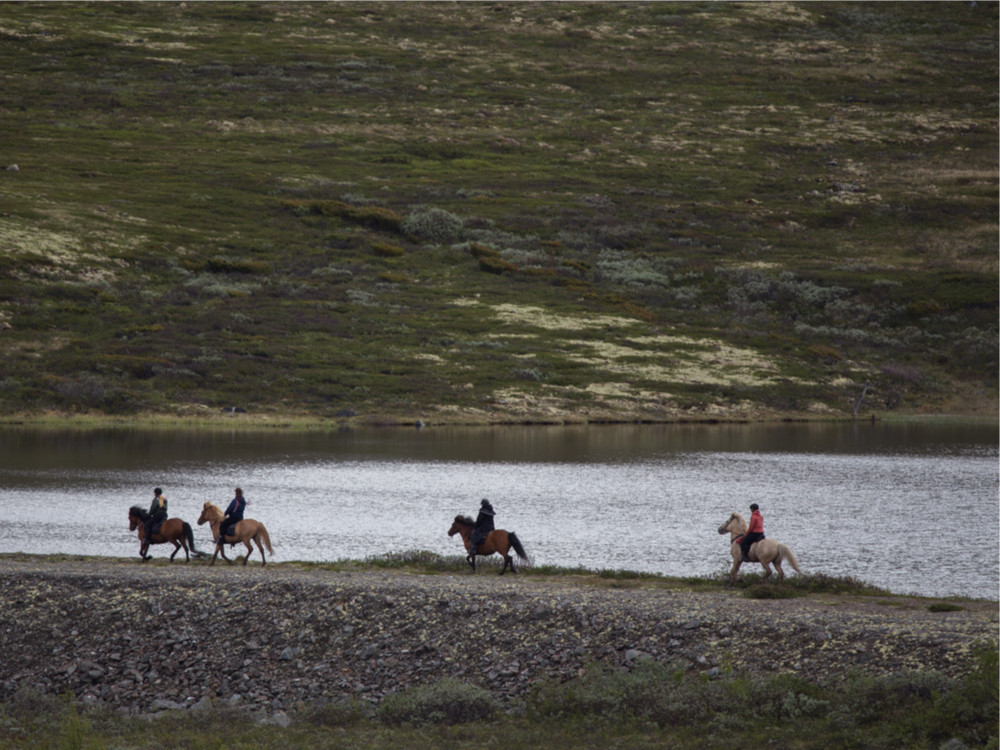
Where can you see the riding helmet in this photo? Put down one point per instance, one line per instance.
(754, 506)
(486, 508)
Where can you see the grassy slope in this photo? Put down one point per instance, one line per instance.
(483, 212)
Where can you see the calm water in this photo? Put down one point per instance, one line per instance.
(913, 508)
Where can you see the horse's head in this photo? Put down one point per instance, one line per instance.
(135, 517)
(209, 513)
(461, 522)
(733, 525)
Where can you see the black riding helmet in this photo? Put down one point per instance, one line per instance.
(754, 506)
(486, 508)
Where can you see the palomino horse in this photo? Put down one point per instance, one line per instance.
(766, 551)
(245, 531)
(172, 530)
(499, 541)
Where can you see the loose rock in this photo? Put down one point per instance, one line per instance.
(304, 637)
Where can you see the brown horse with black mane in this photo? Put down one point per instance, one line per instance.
(173, 530)
(245, 531)
(498, 541)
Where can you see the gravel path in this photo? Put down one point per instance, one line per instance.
(149, 637)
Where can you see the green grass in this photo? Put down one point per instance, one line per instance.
(310, 208)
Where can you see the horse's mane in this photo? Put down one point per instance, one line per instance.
(213, 506)
(467, 520)
(135, 510)
(740, 518)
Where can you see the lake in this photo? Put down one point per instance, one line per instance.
(912, 507)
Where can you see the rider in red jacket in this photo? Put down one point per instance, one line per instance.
(755, 531)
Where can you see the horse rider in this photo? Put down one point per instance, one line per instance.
(233, 515)
(157, 513)
(483, 526)
(755, 531)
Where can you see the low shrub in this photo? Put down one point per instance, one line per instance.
(231, 265)
(771, 591)
(374, 217)
(386, 250)
(446, 702)
(492, 264)
(336, 713)
(434, 225)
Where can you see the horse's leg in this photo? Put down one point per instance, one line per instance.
(737, 562)
(177, 548)
(220, 547)
(767, 570)
(246, 557)
(781, 573)
(260, 548)
(735, 571)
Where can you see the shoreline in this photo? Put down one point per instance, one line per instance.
(308, 423)
(133, 637)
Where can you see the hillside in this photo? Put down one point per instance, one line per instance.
(499, 212)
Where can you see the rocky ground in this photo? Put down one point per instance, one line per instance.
(142, 638)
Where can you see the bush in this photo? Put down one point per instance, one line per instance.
(374, 217)
(447, 702)
(495, 265)
(386, 250)
(336, 714)
(434, 225)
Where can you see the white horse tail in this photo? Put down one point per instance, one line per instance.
(787, 554)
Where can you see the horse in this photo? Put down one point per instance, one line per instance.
(499, 541)
(245, 531)
(765, 551)
(172, 530)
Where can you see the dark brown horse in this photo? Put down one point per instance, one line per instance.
(246, 531)
(173, 530)
(498, 541)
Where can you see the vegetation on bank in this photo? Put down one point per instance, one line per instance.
(650, 706)
(478, 212)
(750, 584)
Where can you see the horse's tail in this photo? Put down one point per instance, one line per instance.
(264, 537)
(787, 554)
(189, 535)
(516, 544)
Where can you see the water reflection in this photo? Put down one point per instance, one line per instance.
(861, 500)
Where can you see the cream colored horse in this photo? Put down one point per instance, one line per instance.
(767, 551)
(244, 531)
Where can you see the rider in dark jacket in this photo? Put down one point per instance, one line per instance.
(234, 514)
(484, 525)
(157, 512)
